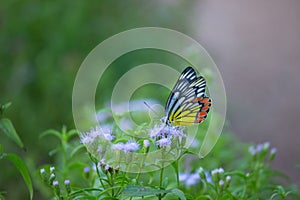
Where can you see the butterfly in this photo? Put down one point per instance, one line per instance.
(187, 104)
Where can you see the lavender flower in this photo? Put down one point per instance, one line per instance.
(119, 146)
(259, 147)
(273, 151)
(55, 183)
(221, 183)
(164, 131)
(164, 142)
(193, 179)
(86, 169)
(252, 150)
(189, 179)
(146, 143)
(103, 132)
(67, 185)
(129, 146)
(266, 145)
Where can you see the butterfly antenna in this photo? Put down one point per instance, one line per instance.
(151, 108)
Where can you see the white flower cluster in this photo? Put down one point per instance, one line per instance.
(103, 132)
(164, 134)
(255, 149)
(129, 146)
(190, 179)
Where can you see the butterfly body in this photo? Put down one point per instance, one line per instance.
(187, 103)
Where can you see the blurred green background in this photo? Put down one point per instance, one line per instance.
(42, 44)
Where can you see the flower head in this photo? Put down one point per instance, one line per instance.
(55, 183)
(42, 171)
(52, 169)
(189, 179)
(103, 133)
(67, 182)
(273, 151)
(146, 143)
(119, 146)
(164, 142)
(162, 130)
(86, 169)
(129, 146)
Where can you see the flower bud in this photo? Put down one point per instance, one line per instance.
(52, 169)
(221, 184)
(273, 154)
(214, 175)
(44, 175)
(67, 185)
(227, 181)
(146, 143)
(56, 187)
(52, 177)
(202, 173)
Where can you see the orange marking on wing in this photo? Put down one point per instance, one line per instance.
(201, 114)
(200, 119)
(205, 101)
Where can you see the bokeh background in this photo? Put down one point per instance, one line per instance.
(254, 43)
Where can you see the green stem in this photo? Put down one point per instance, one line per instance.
(140, 169)
(99, 176)
(177, 172)
(161, 174)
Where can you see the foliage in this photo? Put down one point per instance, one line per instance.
(7, 127)
(235, 174)
(43, 44)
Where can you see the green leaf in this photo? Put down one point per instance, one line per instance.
(141, 191)
(204, 197)
(7, 127)
(178, 193)
(76, 149)
(71, 133)
(4, 107)
(1, 149)
(22, 169)
(51, 132)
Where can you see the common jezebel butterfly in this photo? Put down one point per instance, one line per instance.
(187, 104)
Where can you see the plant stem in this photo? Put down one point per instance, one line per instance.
(177, 172)
(99, 176)
(161, 174)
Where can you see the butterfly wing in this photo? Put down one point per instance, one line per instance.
(187, 103)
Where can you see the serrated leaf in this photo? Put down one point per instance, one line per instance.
(141, 191)
(178, 193)
(7, 127)
(22, 169)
